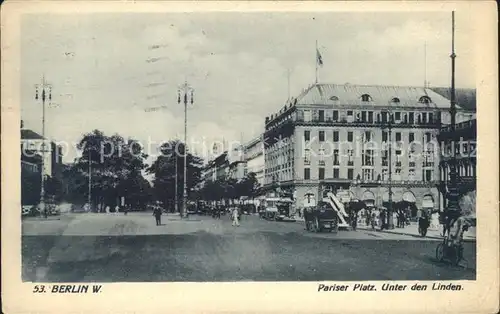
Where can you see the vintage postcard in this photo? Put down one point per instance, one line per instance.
(249, 157)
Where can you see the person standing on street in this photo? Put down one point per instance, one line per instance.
(235, 217)
(157, 214)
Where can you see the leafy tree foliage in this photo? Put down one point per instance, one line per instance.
(116, 167)
(167, 165)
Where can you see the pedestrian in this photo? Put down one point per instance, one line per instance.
(157, 214)
(235, 217)
(382, 219)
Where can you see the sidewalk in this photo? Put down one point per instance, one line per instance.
(412, 230)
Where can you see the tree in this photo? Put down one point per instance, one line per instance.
(115, 166)
(164, 171)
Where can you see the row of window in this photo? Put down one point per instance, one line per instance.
(368, 174)
(367, 136)
(367, 116)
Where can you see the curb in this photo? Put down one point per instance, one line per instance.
(411, 234)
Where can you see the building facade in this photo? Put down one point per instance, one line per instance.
(344, 138)
(254, 158)
(32, 144)
(463, 141)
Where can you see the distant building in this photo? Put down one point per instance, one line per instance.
(31, 164)
(254, 158)
(337, 136)
(32, 144)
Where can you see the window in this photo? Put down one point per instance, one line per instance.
(428, 137)
(397, 115)
(349, 113)
(307, 136)
(307, 115)
(335, 136)
(334, 98)
(424, 117)
(368, 157)
(385, 174)
(350, 173)
(411, 137)
(411, 117)
(321, 115)
(411, 175)
(368, 136)
(321, 161)
(307, 156)
(384, 116)
(365, 97)
(363, 116)
(428, 175)
(425, 100)
(321, 173)
(336, 173)
(397, 174)
(335, 115)
(307, 174)
(350, 157)
(336, 160)
(349, 136)
(368, 174)
(431, 117)
(384, 136)
(321, 136)
(385, 158)
(395, 99)
(370, 116)
(398, 136)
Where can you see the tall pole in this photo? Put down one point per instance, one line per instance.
(90, 181)
(316, 61)
(390, 222)
(44, 88)
(187, 92)
(425, 65)
(453, 206)
(176, 192)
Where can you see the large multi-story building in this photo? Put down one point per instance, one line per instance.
(338, 136)
(254, 158)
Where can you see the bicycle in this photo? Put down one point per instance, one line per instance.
(452, 253)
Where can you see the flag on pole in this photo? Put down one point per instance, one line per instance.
(319, 58)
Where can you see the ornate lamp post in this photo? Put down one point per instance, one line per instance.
(453, 204)
(188, 97)
(46, 94)
(390, 220)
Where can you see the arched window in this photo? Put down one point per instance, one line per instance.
(425, 100)
(395, 99)
(334, 98)
(366, 97)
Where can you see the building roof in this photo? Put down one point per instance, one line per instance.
(30, 135)
(380, 96)
(466, 97)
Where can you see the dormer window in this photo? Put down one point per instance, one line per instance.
(334, 98)
(366, 97)
(425, 100)
(395, 100)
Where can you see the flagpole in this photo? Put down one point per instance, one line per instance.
(316, 60)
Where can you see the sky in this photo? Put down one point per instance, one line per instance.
(102, 77)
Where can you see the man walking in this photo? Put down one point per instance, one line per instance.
(157, 214)
(235, 217)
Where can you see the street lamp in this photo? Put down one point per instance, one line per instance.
(453, 206)
(390, 220)
(46, 93)
(188, 97)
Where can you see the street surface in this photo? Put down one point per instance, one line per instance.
(117, 248)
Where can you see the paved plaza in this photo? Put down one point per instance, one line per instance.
(114, 247)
